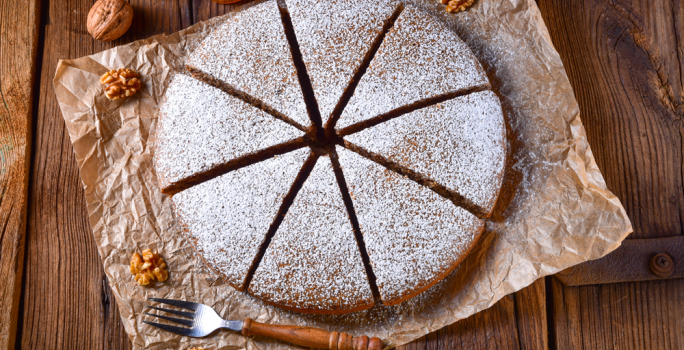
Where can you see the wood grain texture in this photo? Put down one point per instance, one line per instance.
(205, 9)
(635, 315)
(18, 47)
(518, 321)
(625, 60)
(67, 301)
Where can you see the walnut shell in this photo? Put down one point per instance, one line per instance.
(109, 19)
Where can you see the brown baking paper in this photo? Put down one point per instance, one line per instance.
(554, 211)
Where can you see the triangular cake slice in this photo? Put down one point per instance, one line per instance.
(250, 53)
(459, 143)
(201, 127)
(227, 218)
(413, 236)
(313, 264)
(335, 37)
(419, 59)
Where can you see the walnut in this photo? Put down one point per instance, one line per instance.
(120, 83)
(454, 6)
(109, 19)
(148, 268)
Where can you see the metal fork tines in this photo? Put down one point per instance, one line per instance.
(202, 322)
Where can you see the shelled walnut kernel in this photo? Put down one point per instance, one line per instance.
(148, 268)
(120, 83)
(454, 6)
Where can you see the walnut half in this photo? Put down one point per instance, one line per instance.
(454, 6)
(120, 83)
(148, 268)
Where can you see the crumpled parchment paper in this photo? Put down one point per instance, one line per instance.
(554, 211)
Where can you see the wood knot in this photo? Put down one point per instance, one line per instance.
(662, 265)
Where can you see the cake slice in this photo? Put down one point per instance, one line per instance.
(419, 59)
(413, 237)
(459, 143)
(201, 127)
(334, 38)
(313, 263)
(227, 218)
(250, 53)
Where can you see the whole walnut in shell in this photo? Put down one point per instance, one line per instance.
(109, 19)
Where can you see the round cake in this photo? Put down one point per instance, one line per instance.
(329, 156)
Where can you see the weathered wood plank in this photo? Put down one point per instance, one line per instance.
(517, 321)
(67, 301)
(18, 46)
(636, 315)
(531, 317)
(625, 61)
(493, 328)
(205, 9)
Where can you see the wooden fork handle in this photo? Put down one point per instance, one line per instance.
(311, 337)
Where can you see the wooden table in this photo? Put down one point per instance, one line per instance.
(625, 60)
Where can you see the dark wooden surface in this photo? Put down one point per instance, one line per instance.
(18, 47)
(624, 59)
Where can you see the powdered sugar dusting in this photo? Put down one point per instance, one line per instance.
(419, 58)
(250, 52)
(202, 127)
(413, 236)
(227, 218)
(313, 262)
(459, 143)
(334, 37)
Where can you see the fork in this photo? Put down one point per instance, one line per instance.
(204, 320)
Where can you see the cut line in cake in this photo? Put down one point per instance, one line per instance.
(413, 236)
(302, 176)
(230, 218)
(337, 39)
(420, 58)
(400, 111)
(459, 144)
(203, 133)
(302, 74)
(262, 67)
(313, 263)
(224, 168)
(230, 90)
(455, 197)
(348, 203)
